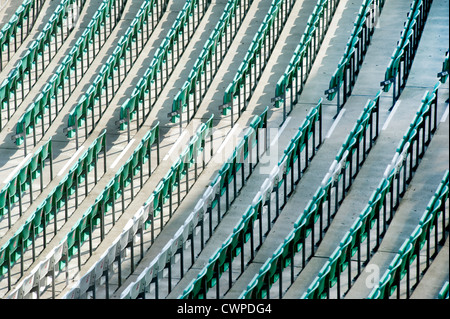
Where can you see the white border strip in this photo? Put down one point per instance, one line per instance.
(391, 115)
(18, 167)
(174, 146)
(280, 131)
(122, 153)
(335, 123)
(70, 161)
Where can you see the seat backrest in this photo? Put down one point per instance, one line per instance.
(151, 271)
(112, 252)
(85, 282)
(177, 241)
(74, 293)
(28, 283)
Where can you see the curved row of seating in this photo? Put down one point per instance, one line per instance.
(196, 13)
(291, 83)
(378, 207)
(172, 179)
(204, 209)
(352, 59)
(145, 217)
(398, 68)
(94, 216)
(166, 57)
(48, 209)
(255, 60)
(377, 126)
(22, 180)
(271, 270)
(222, 259)
(210, 59)
(29, 63)
(306, 141)
(49, 95)
(103, 85)
(13, 31)
(47, 268)
(101, 235)
(412, 246)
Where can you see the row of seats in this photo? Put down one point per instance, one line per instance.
(40, 273)
(179, 170)
(152, 208)
(22, 21)
(374, 210)
(164, 192)
(203, 210)
(396, 72)
(302, 60)
(230, 168)
(221, 260)
(222, 35)
(104, 81)
(174, 42)
(152, 4)
(250, 69)
(260, 285)
(356, 48)
(92, 278)
(366, 124)
(411, 247)
(21, 72)
(82, 230)
(12, 250)
(42, 104)
(22, 180)
(56, 199)
(305, 139)
(426, 120)
(106, 200)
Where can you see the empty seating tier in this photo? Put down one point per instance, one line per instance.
(238, 149)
